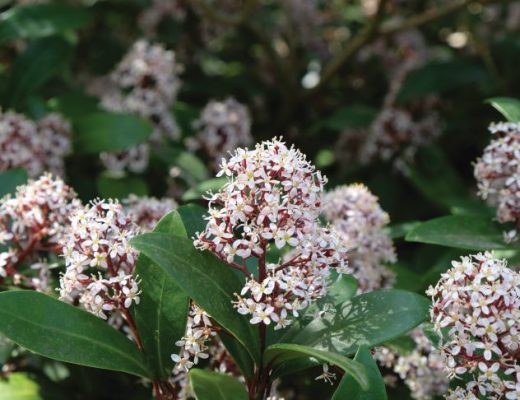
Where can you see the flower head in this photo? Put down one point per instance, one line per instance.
(99, 259)
(476, 312)
(498, 173)
(357, 217)
(33, 221)
(270, 204)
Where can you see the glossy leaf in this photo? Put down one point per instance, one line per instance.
(280, 353)
(104, 131)
(41, 60)
(508, 107)
(18, 386)
(11, 179)
(163, 311)
(366, 320)
(39, 20)
(63, 332)
(209, 385)
(460, 231)
(193, 218)
(202, 189)
(351, 390)
(121, 187)
(208, 281)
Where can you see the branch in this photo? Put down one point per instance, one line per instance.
(431, 15)
(374, 30)
(364, 37)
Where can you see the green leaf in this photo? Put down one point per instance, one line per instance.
(19, 386)
(440, 77)
(351, 390)
(202, 189)
(366, 320)
(356, 116)
(60, 331)
(209, 385)
(240, 355)
(43, 59)
(104, 131)
(402, 345)
(73, 105)
(193, 218)
(163, 310)
(508, 107)
(11, 179)
(121, 187)
(39, 20)
(207, 280)
(342, 289)
(460, 231)
(398, 231)
(280, 353)
(406, 278)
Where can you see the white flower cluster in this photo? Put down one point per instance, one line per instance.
(99, 260)
(194, 344)
(498, 173)
(147, 211)
(223, 126)
(32, 222)
(272, 201)
(146, 84)
(357, 217)
(36, 147)
(398, 130)
(423, 369)
(476, 312)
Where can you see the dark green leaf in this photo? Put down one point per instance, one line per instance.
(193, 218)
(460, 231)
(240, 355)
(402, 345)
(207, 280)
(121, 187)
(440, 77)
(508, 107)
(74, 105)
(406, 278)
(357, 116)
(209, 385)
(163, 311)
(104, 131)
(279, 353)
(351, 390)
(43, 59)
(366, 320)
(63, 332)
(400, 230)
(343, 289)
(39, 20)
(202, 189)
(19, 386)
(11, 179)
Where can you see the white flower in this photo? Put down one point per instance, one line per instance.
(272, 199)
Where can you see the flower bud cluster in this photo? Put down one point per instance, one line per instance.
(271, 203)
(476, 312)
(356, 215)
(32, 222)
(100, 261)
(422, 369)
(36, 147)
(498, 173)
(223, 126)
(146, 84)
(147, 211)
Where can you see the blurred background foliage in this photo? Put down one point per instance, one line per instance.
(320, 73)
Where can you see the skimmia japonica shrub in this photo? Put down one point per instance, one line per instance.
(259, 200)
